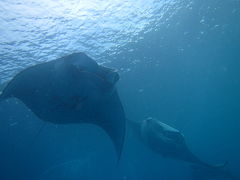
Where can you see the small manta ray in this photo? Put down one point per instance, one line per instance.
(166, 140)
(72, 89)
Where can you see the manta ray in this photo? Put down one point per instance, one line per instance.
(72, 89)
(166, 141)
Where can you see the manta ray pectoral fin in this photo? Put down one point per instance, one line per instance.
(112, 120)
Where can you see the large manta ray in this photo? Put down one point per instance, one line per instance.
(72, 89)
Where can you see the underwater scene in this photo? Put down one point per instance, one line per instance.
(120, 90)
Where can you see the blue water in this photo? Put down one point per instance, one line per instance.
(178, 60)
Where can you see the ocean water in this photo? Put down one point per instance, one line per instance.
(178, 60)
